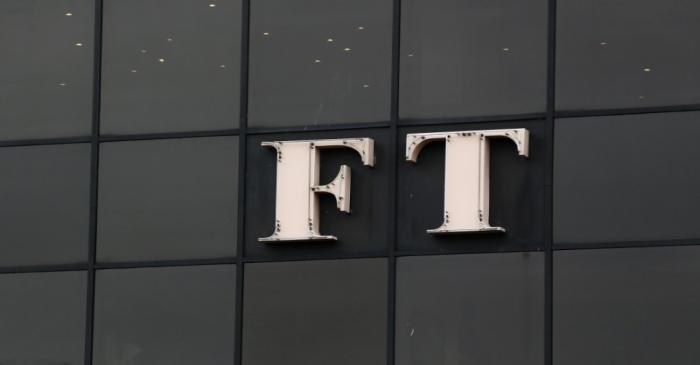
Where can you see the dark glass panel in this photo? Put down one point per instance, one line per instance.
(170, 65)
(319, 62)
(168, 199)
(46, 68)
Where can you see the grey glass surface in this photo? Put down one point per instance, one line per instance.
(627, 178)
(627, 53)
(473, 57)
(174, 315)
(44, 204)
(42, 317)
(170, 65)
(315, 313)
(168, 199)
(319, 62)
(470, 309)
(46, 68)
(627, 306)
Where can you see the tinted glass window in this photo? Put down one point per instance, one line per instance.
(170, 65)
(627, 306)
(365, 230)
(44, 204)
(168, 199)
(627, 178)
(474, 57)
(516, 187)
(182, 315)
(42, 317)
(315, 313)
(470, 309)
(319, 62)
(627, 53)
(46, 68)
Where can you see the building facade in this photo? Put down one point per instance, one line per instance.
(138, 179)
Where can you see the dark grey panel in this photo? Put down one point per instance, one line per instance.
(365, 230)
(627, 178)
(470, 309)
(46, 68)
(168, 199)
(170, 65)
(627, 53)
(315, 313)
(516, 193)
(474, 57)
(627, 306)
(175, 315)
(42, 316)
(44, 204)
(319, 62)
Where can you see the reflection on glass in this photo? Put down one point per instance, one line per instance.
(311, 58)
(472, 57)
(45, 68)
(161, 66)
(627, 53)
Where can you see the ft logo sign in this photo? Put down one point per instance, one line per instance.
(466, 196)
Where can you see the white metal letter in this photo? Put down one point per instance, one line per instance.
(298, 166)
(466, 174)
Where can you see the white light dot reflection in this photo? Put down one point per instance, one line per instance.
(62, 84)
(212, 5)
(143, 51)
(641, 97)
(69, 14)
(360, 28)
(347, 49)
(169, 39)
(134, 71)
(647, 69)
(410, 55)
(365, 86)
(78, 44)
(506, 49)
(317, 61)
(330, 40)
(222, 66)
(603, 44)
(161, 60)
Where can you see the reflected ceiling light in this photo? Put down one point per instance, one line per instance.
(410, 55)
(347, 49)
(62, 84)
(266, 33)
(603, 43)
(330, 40)
(506, 49)
(143, 51)
(222, 66)
(212, 5)
(170, 39)
(79, 44)
(647, 70)
(161, 60)
(317, 61)
(365, 86)
(360, 28)
(641, 96)
(69, 14)
(134, 71)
